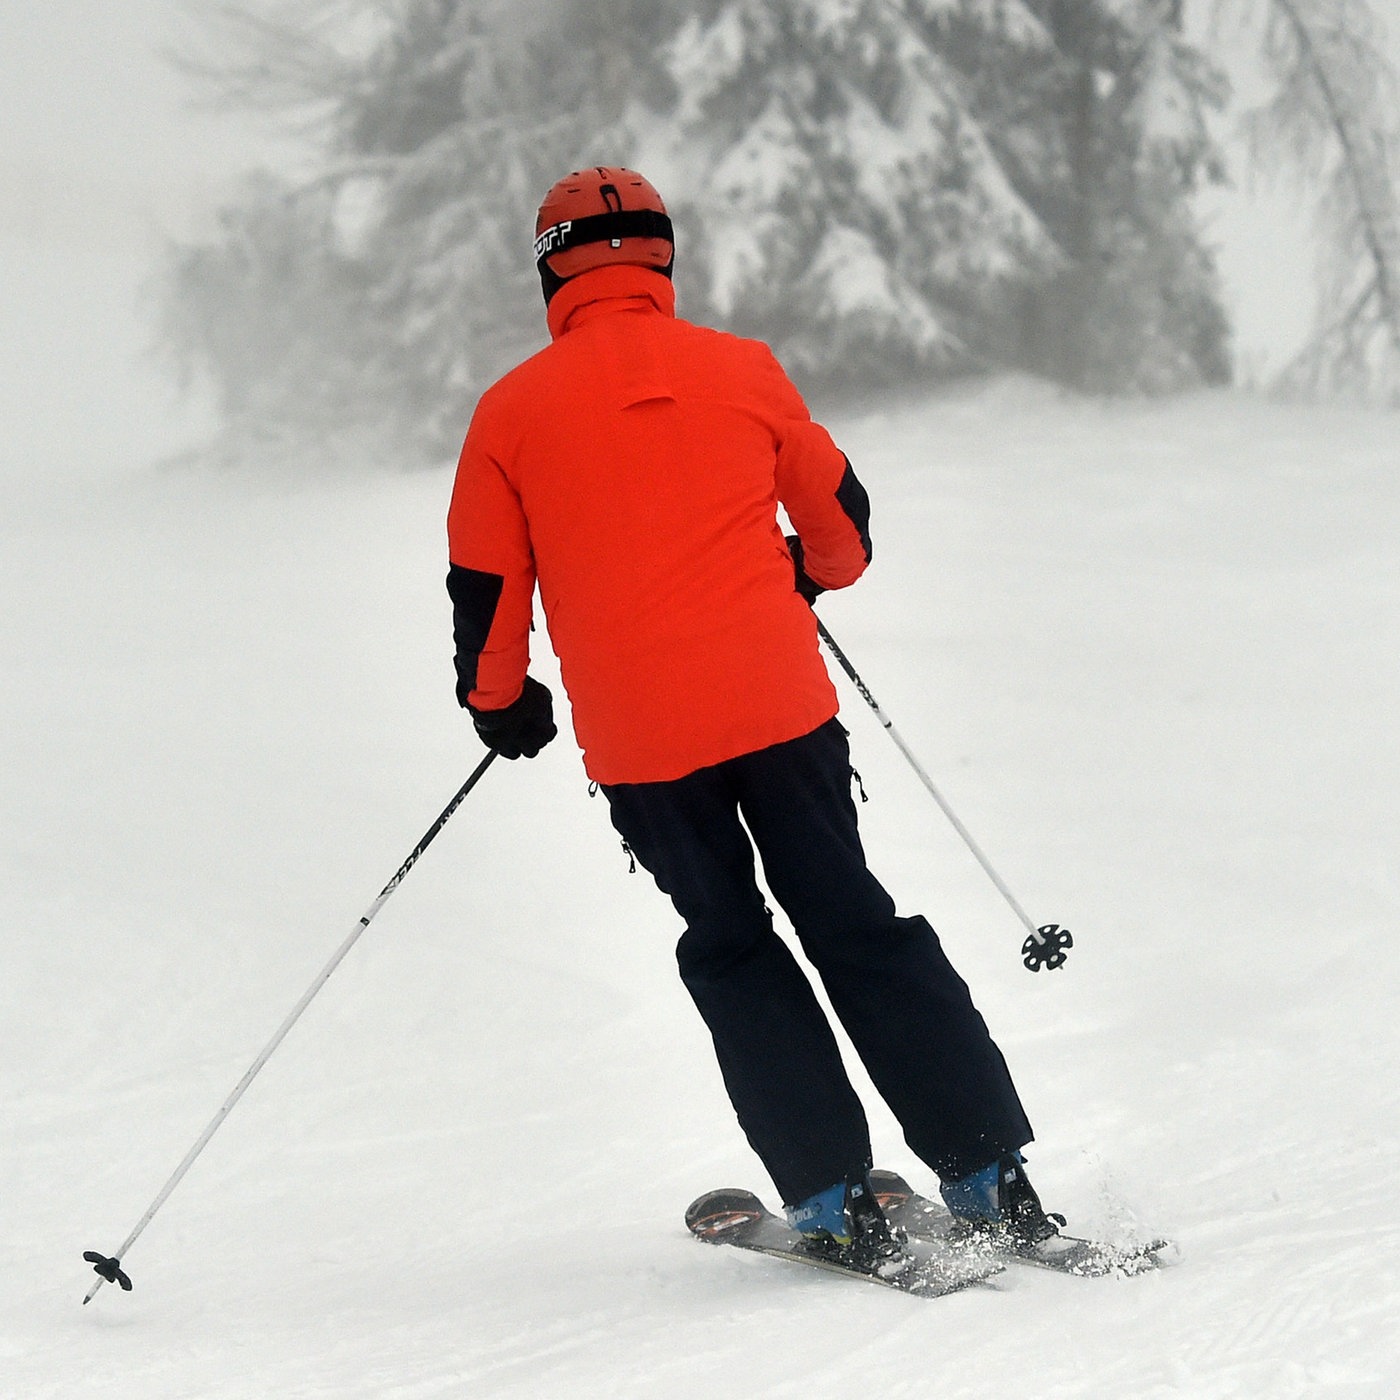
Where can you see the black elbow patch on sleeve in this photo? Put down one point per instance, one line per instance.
(851, 497)
(475, 597)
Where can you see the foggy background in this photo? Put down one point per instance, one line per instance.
(1147, 646)
(105, 155)
(102, 158)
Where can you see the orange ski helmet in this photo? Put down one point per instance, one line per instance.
(592, 218)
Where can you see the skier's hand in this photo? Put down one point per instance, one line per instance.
(523, 727)
(809, 588)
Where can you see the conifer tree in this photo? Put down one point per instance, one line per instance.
(1098, 111)
(1333, 115)
(396, 282)
(839, 197)
(878, 187)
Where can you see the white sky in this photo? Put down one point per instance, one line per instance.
(101, 158)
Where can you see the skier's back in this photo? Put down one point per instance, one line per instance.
(634, 469)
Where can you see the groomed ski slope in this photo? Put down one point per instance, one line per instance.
(1150, 653)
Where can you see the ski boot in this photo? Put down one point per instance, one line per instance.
(998, 1206)
(844, 1223)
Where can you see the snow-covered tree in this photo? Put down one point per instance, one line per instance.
(834, 191)
(878, 187)
(1333, 114)
(880, 183)
(1098, 111)
(395, 281)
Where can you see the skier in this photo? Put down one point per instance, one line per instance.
(634, 469)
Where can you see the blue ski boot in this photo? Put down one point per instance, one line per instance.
(845, 1223)
(999, 1205)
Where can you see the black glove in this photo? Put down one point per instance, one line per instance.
(523, 728)
(809, 588)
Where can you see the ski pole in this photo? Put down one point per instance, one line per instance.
(1047, 944)
(108, 1268)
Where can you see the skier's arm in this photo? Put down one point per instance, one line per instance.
(821, 493)
(491, 580)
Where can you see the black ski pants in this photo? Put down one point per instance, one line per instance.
(907, 1012)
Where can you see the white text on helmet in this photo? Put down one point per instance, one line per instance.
(552, 238)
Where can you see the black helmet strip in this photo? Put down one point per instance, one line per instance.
(603, 228)
(611, 227)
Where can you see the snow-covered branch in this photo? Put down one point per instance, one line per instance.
(1333, 114)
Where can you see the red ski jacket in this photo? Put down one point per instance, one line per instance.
(634, 468)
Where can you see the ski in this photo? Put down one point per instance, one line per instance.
(929, 1267)
(923, 1219)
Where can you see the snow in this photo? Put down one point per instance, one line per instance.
(1147, 650)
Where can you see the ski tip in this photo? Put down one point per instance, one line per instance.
(714, 1214)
